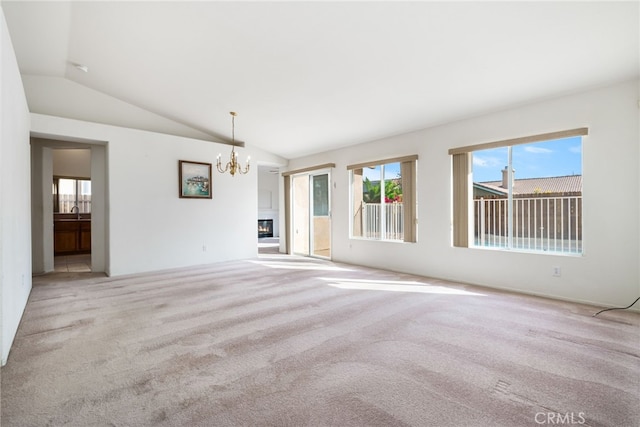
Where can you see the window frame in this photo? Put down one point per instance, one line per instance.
(408, 169)
(462, 181)
(77, 184)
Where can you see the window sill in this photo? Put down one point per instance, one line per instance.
(362, 239)
(526, 251)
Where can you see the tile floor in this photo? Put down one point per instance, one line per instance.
(72, 263)
(268, 245)
(82, 263)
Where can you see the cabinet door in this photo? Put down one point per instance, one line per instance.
(65, 237)
(85, 236)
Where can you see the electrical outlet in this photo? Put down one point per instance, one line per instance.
(557, 272)
(204, 248)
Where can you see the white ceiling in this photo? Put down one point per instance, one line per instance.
(306, 77)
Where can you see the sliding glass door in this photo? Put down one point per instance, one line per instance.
(311, 215)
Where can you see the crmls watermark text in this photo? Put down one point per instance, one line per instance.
(555, 418)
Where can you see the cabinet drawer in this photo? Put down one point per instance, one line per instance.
(65, 226)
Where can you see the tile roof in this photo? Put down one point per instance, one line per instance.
(551, 185)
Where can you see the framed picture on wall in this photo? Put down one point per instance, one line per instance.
(195, 180)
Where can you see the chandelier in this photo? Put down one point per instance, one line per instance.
(232, 165)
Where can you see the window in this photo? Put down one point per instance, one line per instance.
(523, 194)
(69, 193)
(383, 200)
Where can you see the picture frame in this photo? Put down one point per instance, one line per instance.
(194, 180)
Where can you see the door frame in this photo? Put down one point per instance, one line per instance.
(288, 199)
(41, 200)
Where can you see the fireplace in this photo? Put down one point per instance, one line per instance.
(265, 228)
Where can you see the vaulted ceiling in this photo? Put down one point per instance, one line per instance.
(306, 77)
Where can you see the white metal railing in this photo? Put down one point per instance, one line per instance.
(392, 216)
(68, 201)
(539, 223)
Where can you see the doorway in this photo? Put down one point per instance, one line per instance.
(68, 238)
(311, 216)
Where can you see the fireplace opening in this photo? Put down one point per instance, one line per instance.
(265, 228)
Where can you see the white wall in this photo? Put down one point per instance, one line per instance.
(99, 199)
(42, 260)
(608, 272)
(65, 98)
(148, 227)
(72, 162)
(15, 193)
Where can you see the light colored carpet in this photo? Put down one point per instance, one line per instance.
(287, 341)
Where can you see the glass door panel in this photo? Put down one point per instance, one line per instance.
(321, 224)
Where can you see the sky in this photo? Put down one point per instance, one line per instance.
(559, 157)
(391, 171)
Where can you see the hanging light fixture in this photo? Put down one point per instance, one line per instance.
(232, 165)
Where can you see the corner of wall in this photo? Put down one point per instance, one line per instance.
(15, 190)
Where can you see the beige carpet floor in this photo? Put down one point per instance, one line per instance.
(287, 341)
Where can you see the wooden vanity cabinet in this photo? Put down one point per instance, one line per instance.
(71, 237)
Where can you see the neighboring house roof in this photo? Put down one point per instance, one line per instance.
(570, 184)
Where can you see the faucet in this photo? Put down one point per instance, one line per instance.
(77, 210)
